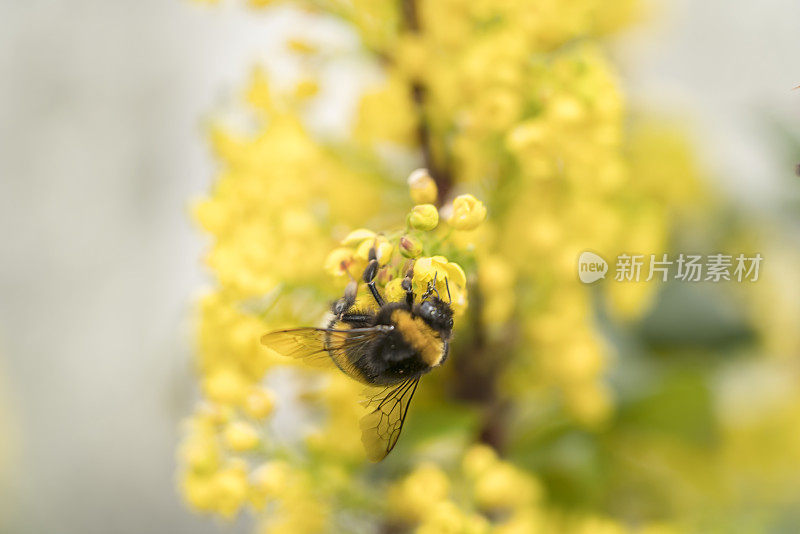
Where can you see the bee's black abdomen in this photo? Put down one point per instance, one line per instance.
(411, 346)
(399, 359)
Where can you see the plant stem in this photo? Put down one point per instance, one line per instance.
(440, 174)
(477, 369)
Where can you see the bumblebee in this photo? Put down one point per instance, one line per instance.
(387, 350)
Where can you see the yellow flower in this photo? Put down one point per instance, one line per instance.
(419, 493)
(271, 478)
(199, 491)
(225, 385)
(449, 276)
(394, 291)
(447, 518)
(426, 269)
(422, 187)
(343, 260)
(589, 402)
(211, 415)
(201, 454)
(230, 487)
(424, 217)
(386, 113)
(468, 213)
(258, 93)
(241, 436)
(306, 89)
(383, 249)
(301, 46)
(356, 237)
(411, 56)
(257, 4)
(478, 459)
(502, 486)
(259, 403)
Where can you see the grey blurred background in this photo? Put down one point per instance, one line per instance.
(101, 149)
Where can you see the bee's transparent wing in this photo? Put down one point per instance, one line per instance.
(323, 346)
(381, 428)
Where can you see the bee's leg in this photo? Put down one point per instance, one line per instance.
(343, 305)
(358, 320)
(406, 285)
(431, 287)
(369, 277)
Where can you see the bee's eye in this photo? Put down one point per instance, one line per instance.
(450, 323)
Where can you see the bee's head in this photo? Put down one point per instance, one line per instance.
(437, 314)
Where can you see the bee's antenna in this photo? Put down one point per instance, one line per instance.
(447, 285)
(435, 275)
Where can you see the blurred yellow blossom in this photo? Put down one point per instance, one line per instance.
(225, 385)
(230, 486)
(468, 213)
(270, 478)
(422, 187)
(419, 492)
(259, 403)
(241, 436)
(341, 261)
(306, 88)
(301, 46)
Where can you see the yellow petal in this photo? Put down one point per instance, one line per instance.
(357, 236)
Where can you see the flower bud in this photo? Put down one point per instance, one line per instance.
(424, 217)
(422, 187)
(468, 213)
(410, 246)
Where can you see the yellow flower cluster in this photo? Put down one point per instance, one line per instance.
(536, 117)
(434, 501)
(484, 495)
(515, 101)
(402, 250)
(270, 231)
